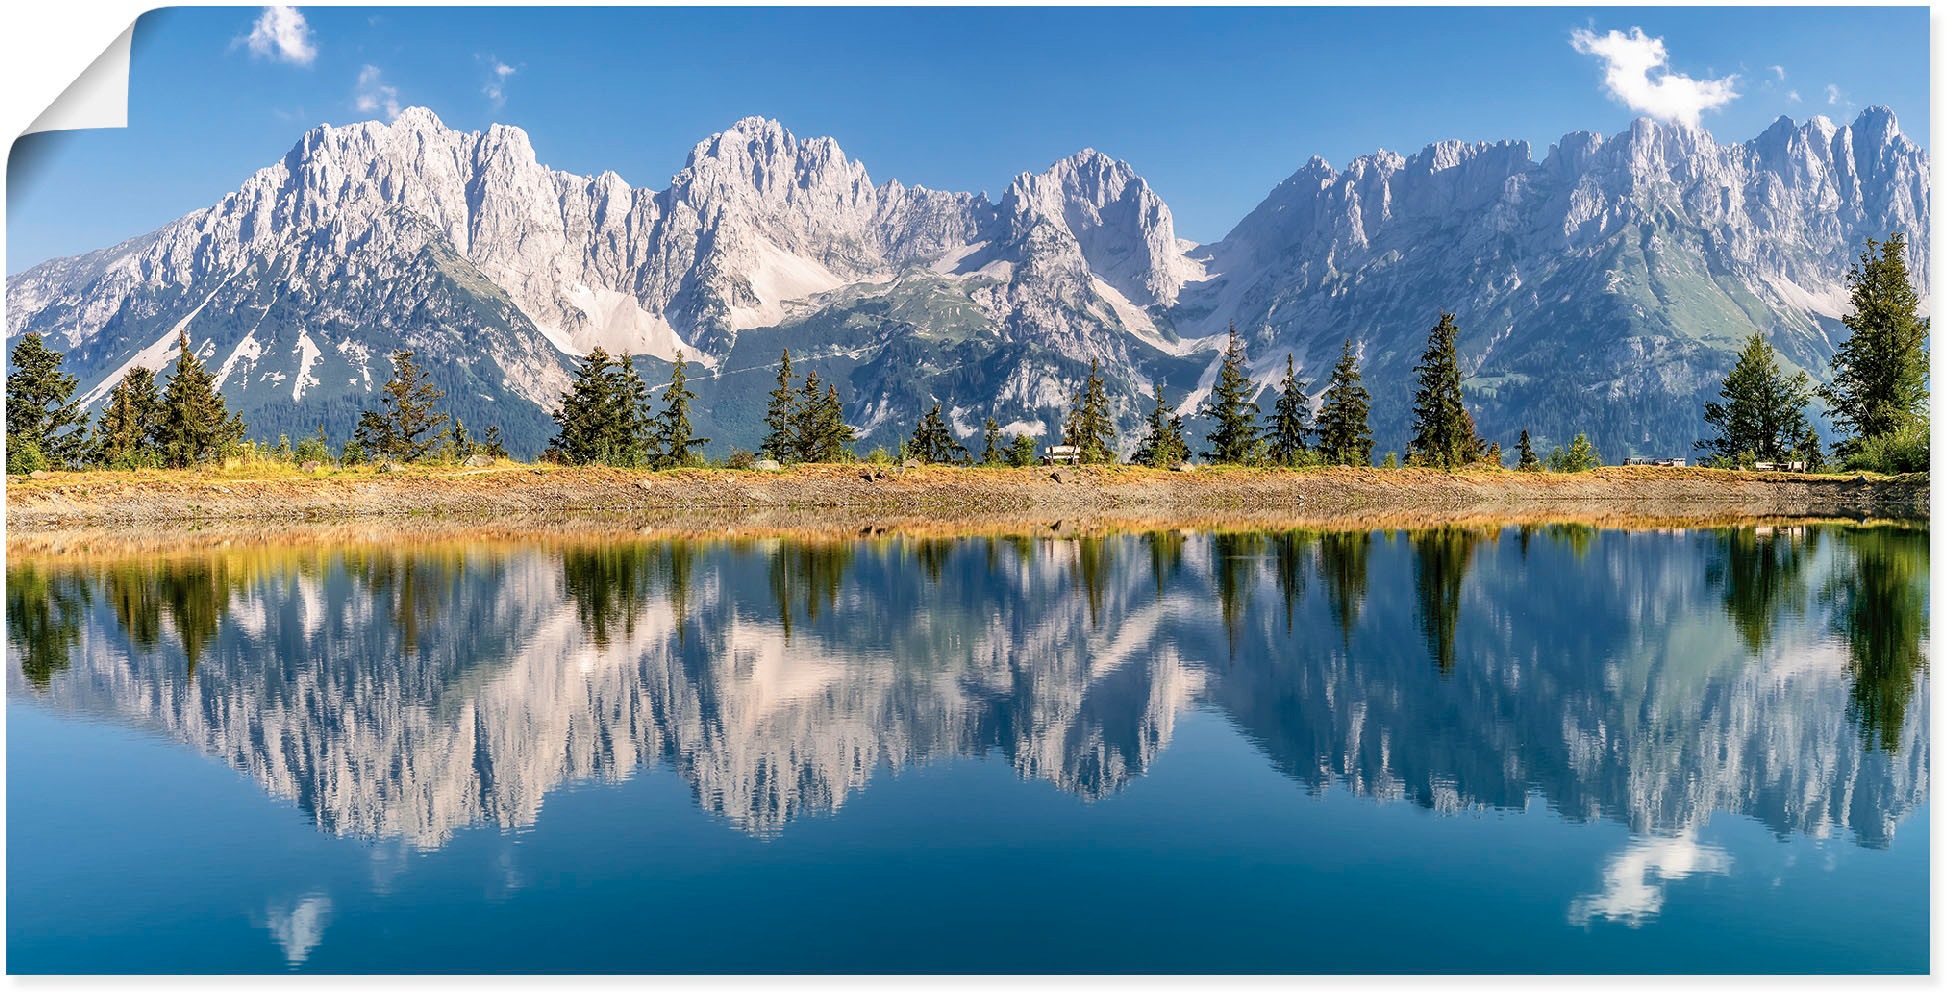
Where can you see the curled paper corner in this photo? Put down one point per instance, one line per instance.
(98, 98)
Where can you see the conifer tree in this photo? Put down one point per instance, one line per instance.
(781, 438)
(490, 443)
(1344, 438)
(635, 429)
(818, 429)
(407, 428)
(1089, 427)
(42, 413)
(1879, 373)
(1290, 418)
(586, 420)
(676, 440)
(1162, 443)
(197, 425)
(933, 442)
(1527, 462)
(1231, 406)
(1761, 416)
(990, 449)
(1443, 430)
(458, 440)
(125, 436)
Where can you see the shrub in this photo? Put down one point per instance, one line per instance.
(312, 449)
(1391, 462)
(137, 459)
(1903, 450)
(1579, 457)
(353, 454)
(739, 459)
(24, 457)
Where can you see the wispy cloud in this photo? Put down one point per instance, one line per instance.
(1832, 95)
(495, 88)
(1636, 72)
(281, 35)
(373, 93)
(1778, 71)
(1791, 96)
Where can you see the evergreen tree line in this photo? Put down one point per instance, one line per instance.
(608, 417)
(182, 424)
(187, 423)
(1340, 433)
(1877, 395)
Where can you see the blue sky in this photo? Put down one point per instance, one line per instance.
(1212, 106)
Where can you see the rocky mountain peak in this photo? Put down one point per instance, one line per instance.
(1121, 227)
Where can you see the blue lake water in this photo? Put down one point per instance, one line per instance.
(1554, 749)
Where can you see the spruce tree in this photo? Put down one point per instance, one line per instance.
(197, 425)
(407, 428)
(1344, 437)
(933, 442)
(1761, 416)
(125, 436)
(460, 442)
(41, 410)
(1231, 406)
(585, 423)
(818, 429)
(676, 441)
(1089, 427)
(635, 428)
(1162, 443)
(490, 443)
(781, 438)
(1528, 462)
(1290, 418)
(1879, 373)
(990, 449)
(1443, 430)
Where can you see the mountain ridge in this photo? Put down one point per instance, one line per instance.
(1660, 245)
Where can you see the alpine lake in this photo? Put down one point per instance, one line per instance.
(1493, 749)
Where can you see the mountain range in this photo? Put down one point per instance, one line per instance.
(1602, 288)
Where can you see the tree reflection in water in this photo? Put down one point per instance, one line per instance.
(1879, 594)
(777, 675)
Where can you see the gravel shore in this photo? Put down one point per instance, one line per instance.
(855, 497)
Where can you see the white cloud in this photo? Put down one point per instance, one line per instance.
(1628, 893)
(1779, 71)
(1636, 71)
(1832, 94)
(299, 930)
(496, 86)
(1793, 97)
(281, 35)
(373, 93)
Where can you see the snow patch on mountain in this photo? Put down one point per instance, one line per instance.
(158, 354)
(307, 356)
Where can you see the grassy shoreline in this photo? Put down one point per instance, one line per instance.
(854, 496)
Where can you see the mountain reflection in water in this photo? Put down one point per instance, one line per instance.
(1650, 678)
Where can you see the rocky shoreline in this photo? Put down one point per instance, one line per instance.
(865, 497)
